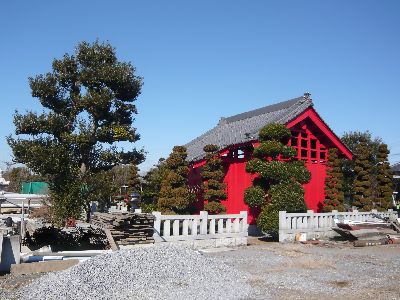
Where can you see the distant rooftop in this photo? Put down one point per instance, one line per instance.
(244, 127)
(396, 168)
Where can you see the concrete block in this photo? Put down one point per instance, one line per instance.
(10, 253)
(43, 267)
(225, 242)
(188, 243)
(241, 241)
(201, 244)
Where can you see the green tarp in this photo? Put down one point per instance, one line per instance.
(40, 188)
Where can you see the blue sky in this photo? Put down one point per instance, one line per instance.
(202, 60)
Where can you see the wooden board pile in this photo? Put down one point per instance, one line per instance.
(127, 228)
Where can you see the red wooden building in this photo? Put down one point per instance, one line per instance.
(237, 135)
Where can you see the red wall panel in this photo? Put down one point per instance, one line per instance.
(314, 191)
(237, 180)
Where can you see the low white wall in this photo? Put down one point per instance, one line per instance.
(318, 225)
(203, 230)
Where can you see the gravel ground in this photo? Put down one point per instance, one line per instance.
(263, 270)
(325, 271)
(161, 272)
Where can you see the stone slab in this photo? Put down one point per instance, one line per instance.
(43, 267)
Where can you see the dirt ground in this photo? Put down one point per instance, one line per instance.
(331, 270)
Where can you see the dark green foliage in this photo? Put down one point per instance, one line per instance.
(275, 132)
(384, 186)
(352, 140)
(254, 196)
(366, 177)
(362, 185)
(253, 165)
(61, 240)
(101, 187)
(334, 196)
(210, 148)
(288, 197)
(214, 207)
(212, 175)
(174, 196)
(276, 172)
(273, 149)
(278, 182)
(152, 185)
(134, 181)
(88, 99)
(299, 172)
(268, 219)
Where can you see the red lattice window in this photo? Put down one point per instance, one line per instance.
(309, 148)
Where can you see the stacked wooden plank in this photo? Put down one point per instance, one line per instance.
(127, 228)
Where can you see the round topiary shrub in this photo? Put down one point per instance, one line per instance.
(288, 197)
(268, 219)
(254, 196)
(210, 148)
(273, 149)
(214, 207)
(275, 132)
(213, 175)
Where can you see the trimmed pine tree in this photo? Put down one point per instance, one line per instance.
(334, 196)
(278, 185)
(362, 185)
(212, 175)
(133, 179)
(384, 184)
(175, 196)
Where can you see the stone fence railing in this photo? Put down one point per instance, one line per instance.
(225, 230)
(316, 225)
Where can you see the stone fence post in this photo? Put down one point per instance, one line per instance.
(203, 222)
(157, 224)
(244, 227)
(282, 220)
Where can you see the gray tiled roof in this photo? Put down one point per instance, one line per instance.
(245, 126)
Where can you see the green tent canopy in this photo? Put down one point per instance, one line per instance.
(41, 188)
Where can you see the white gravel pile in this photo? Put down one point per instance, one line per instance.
(159, 272)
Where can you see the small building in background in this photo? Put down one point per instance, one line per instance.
(396, 180)
(3, 182)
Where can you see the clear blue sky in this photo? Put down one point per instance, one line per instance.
(202, 60)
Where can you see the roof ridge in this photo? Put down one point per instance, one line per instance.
(262, 110)
(245, 126)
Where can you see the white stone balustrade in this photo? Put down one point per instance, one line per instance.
(168, 228)
(320, 224)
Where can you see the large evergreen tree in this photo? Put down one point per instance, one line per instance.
(134, 180)
(175, 196)
(213, 176)
(352, 139)
(278, 185)
(362, 185)
(384, 183)
(88, 101)
(152, 186)
(333, 183)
